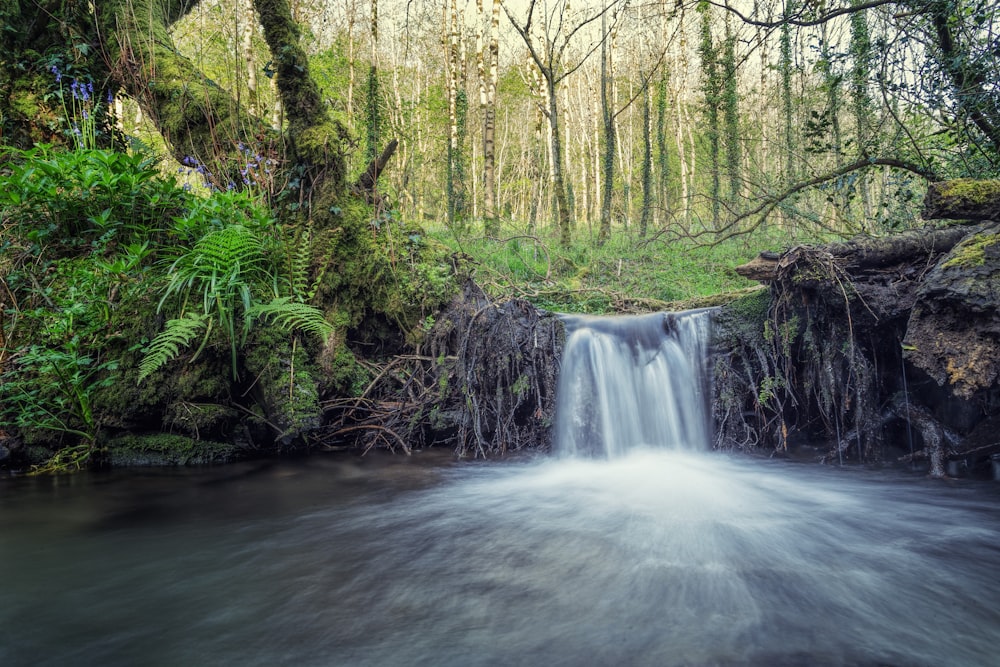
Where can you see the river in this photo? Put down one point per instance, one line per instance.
(655, 558)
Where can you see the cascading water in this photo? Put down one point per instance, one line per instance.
(654, 558)
(629, 382)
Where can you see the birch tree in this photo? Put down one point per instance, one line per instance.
(547, 31)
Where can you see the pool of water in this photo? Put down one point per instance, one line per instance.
(657, 558)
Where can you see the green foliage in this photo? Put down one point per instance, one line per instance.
(88, 238)
(51, 388)
(291, 315)
(226, 273)
(176, 335)
(222, 271)
(77, 201)
(624, 274)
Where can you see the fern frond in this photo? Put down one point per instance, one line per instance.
(229, 250)
(299, 265)
(291, 315)
(167, 344)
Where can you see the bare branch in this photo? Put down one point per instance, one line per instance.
(763, 209)
(796, 19)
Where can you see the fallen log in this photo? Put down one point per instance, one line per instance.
(962, 199)
(865, 253)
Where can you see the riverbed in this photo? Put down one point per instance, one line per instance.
(658, 558)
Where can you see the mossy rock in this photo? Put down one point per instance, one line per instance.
(284, 384)
(743, 320)
(165, 449)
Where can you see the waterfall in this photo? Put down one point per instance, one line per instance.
(633, 381)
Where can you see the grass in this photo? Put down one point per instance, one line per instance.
(626, 274)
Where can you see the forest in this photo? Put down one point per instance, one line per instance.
(248, 226)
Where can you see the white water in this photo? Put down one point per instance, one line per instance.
(656, 557)
(631, 382)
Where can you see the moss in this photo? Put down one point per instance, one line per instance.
(317, 143)
(970, 192)
(164, 449)
(746, 319)
(283, 382)
(971, 251)
(342, 374)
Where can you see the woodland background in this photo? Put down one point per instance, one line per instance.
(666, 117)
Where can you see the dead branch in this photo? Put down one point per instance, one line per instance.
(366, 182)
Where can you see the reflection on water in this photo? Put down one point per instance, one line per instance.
(657, 558)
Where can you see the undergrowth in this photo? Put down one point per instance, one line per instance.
(626, 274)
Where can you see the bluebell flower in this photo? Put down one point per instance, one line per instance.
(55, 71)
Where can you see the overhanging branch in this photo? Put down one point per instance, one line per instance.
(762, 210)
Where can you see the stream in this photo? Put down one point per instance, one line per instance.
(657, 557)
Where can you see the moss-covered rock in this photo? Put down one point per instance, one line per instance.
(165, 449)
(283, 381)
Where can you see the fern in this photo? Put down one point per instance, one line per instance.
(293, 315)
(226, 266)
(299, 265)
(223, 265)
(168, 343)
(303, 249)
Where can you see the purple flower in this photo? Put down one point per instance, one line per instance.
(189, 161)
(82, 91)
(55, 71)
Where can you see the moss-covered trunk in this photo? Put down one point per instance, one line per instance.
(377, 281)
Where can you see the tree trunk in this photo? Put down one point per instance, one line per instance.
(865, 254)
(489, 73)
(648, 194)
(198, 120)
(609, 136)
(558, 182)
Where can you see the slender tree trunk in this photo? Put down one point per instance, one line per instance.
(488, 77)
(731, 117)
(246, 22)
(712, 89)
(662, 154)
(558, 178)
(648, 194)
(609, 136)
(785, 67)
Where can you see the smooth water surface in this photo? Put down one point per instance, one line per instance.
(655, 558)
